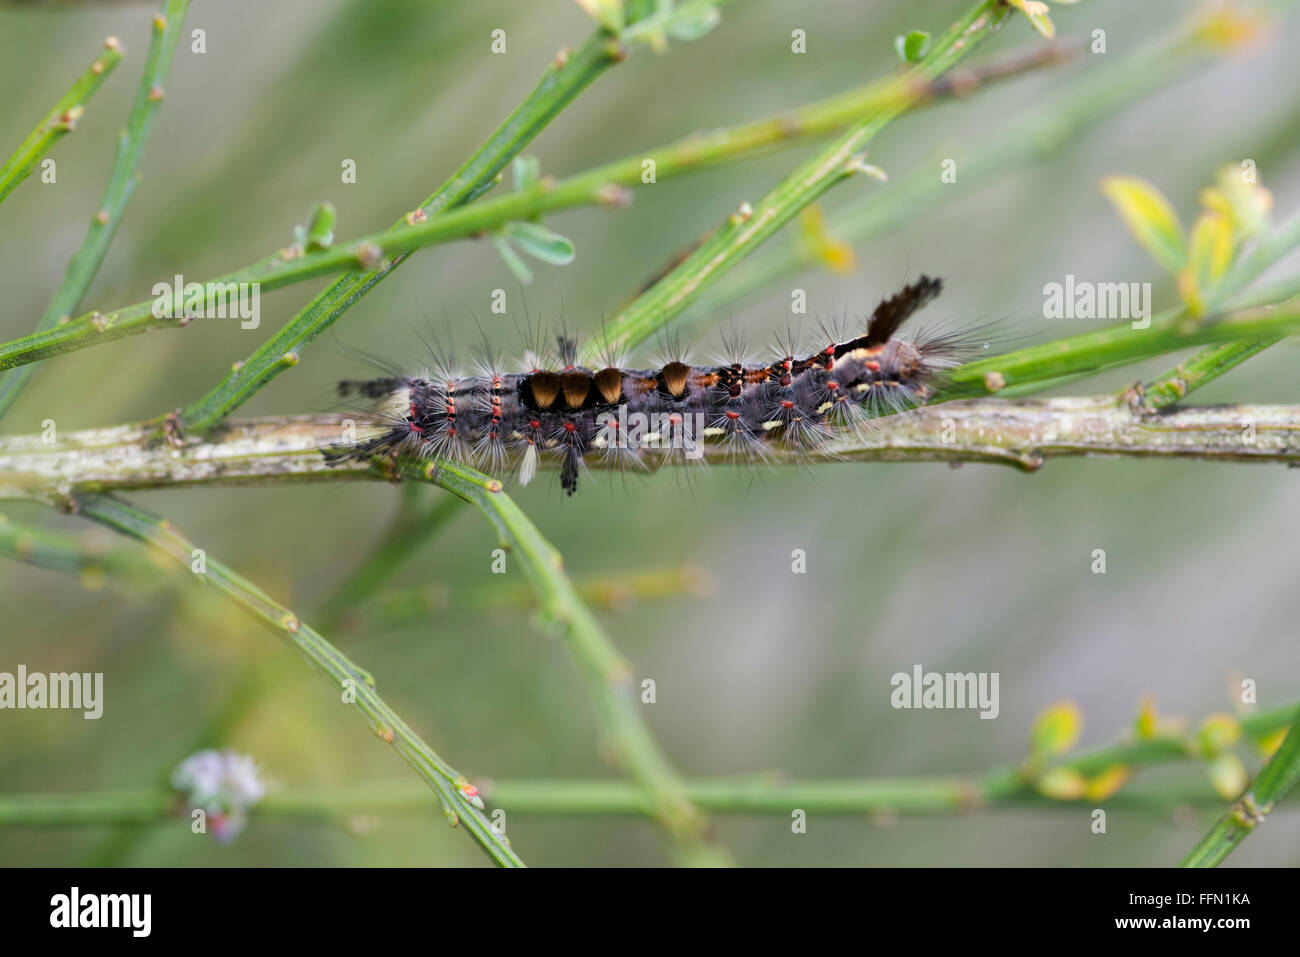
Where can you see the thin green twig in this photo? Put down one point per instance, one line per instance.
(765, 793)
(1278, 776)
(122, 181)
(1121, 344)
(357, 686)
(1199, 370)
(94, 561)
(61, 120)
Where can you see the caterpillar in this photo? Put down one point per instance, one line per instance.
(495, 420)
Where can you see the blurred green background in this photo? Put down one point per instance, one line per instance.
(978, 568)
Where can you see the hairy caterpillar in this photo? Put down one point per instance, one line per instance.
(495, 419)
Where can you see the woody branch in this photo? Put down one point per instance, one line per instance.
(1019, 432)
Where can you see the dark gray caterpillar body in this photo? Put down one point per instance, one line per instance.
(494, 419)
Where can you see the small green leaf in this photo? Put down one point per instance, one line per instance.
(1150, 218)
(1056, 730)
(692, 20)
(1228, 775)
(517, 265)
(540, 243)
(320, 227)
(1208, 259)
(1211, 247)
(1146, 724)
(912, 48)
(527, 170)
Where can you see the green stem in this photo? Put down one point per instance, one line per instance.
(563, 80)
(61, 120)
(1092, 352)
(122, 181)
(761, 795)
(57, 551)
(767, 793)
(357, 685)
(749, 226)
(608, 677)
(1202, 368)
(1278, 776)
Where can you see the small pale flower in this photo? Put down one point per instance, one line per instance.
(225, 784)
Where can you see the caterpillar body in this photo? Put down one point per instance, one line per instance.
(496, 419)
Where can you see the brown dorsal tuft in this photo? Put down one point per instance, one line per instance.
(674, 376)
(545, 387)
(576, 385)
(609, 383)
